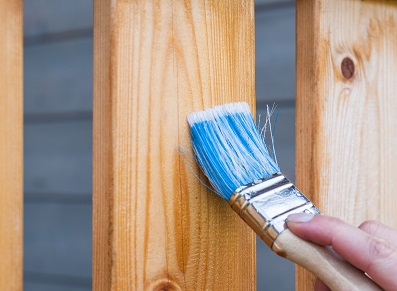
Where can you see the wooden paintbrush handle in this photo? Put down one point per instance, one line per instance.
(323, 262)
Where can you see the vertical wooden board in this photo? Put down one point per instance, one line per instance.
(346, 135)
(11, 145)
(155, 226)
(214, 64)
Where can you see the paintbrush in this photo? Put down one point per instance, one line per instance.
(232, 153)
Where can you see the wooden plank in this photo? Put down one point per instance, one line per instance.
(58, 158)
(155, 226)
(346, 132)
(11, 126)
(58, 239)
(43, 17)
(58, 77)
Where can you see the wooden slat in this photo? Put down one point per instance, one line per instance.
(11, 145)
(346, 128)
(155, 226)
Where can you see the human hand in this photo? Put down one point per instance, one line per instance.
(372, 247)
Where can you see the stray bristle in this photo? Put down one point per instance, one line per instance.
(229, 147)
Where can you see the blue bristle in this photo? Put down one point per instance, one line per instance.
(229, 147)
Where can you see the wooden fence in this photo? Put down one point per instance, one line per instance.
(154, 226)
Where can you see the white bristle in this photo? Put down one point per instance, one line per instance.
(220, 110)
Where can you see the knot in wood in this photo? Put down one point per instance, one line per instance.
(165, 285)
(347, 67)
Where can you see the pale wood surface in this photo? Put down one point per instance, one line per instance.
(11, 225)
(346, 128)
(58, 129)
(155, 226)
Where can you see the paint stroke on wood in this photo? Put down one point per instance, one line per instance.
(11, 124)
(155, 226)
(346, 128)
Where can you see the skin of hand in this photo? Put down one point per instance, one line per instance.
(372, 247)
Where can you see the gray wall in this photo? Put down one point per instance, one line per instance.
(275, 83)
(58, 146)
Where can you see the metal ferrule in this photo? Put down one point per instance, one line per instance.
(265, 204)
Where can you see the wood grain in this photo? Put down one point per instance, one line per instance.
(346, 128)
(155, 226)
(11, 145)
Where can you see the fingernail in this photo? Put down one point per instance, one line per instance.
(300, 217)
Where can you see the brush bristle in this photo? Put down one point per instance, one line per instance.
(229, 147)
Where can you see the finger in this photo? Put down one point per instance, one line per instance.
(372, 255)
(380, 230)
(320, 286)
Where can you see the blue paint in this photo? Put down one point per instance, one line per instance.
(229, 147)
